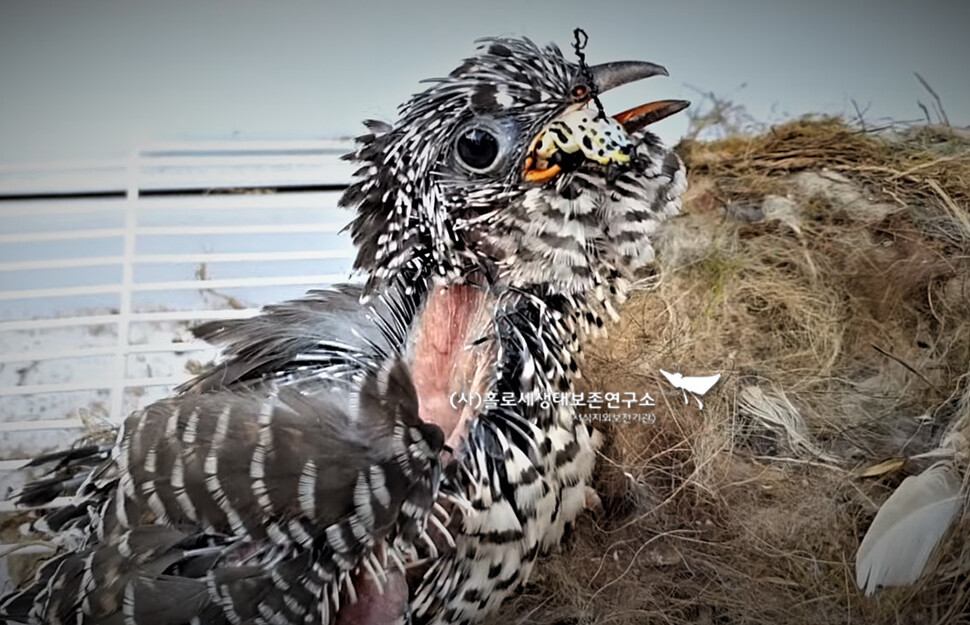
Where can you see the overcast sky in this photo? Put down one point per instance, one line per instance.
(89, 79)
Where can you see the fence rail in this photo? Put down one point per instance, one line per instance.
(96, 292)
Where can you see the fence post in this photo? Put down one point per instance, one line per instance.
(118, 385)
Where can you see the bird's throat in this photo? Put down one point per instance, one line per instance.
(453, 357)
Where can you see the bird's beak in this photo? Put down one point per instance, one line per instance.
(612, 75)
(639, 117)
(579, 133)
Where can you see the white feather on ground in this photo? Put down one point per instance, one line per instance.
(908, 527)
(775, 412)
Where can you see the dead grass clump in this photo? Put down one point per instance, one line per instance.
(824, 273)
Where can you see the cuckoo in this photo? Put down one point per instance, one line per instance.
(402, 448)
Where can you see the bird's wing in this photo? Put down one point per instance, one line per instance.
(234, 460)
(124, 582)
(327, 331)
(326, 334)
(261, 488)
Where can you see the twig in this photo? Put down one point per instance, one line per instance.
(936, 98)
(944, 159)
(528, 615)
(810, 463)
(633, 560)
(905, 364)
(926, 113)
(860, 114)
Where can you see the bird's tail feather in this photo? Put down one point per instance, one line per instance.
(67, 470)
(131, 576)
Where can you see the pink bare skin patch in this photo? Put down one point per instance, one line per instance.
(451, 360)
(374, 607)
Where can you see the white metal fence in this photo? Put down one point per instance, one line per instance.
(103, 266)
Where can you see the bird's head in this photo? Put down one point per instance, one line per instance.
(508, 170)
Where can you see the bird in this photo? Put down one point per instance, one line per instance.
(401, 448)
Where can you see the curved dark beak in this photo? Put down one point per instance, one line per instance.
(611, 75)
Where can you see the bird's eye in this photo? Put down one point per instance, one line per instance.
(579, 92)
(477, 149)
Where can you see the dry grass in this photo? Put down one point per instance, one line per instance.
(826, 271)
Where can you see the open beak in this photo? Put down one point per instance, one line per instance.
(639, 117)
(597, 139)
(612, 75)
